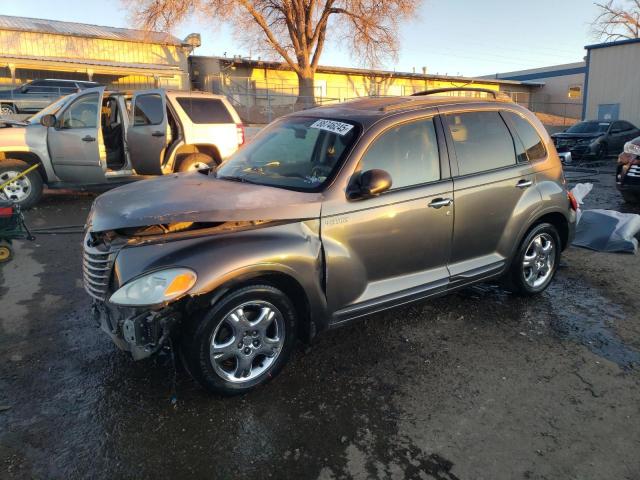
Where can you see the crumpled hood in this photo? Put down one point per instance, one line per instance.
(197, 197)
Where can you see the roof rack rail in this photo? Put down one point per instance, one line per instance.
(497, 95)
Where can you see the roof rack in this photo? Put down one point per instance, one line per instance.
(496, 94)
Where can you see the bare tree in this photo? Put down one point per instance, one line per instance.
(296, 30)
(617, 21)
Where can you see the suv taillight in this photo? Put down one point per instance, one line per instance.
(240, 132)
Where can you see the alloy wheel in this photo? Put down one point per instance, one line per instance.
(539, 260)
(17, 190)
(247, 341)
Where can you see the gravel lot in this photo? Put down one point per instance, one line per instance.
(477, 385)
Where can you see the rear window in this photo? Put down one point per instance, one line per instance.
(205, 110)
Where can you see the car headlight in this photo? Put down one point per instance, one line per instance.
(586, 141)
(155, 288)
(632, 148)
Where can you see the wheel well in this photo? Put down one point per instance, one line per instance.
(27, 157)
(287, 284)
(207, 149)
(559, 221)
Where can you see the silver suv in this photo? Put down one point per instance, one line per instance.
(99, 139)
(328, 215)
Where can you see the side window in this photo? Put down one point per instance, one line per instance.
(409, 153)
(481, 141)
(83, 113)
(534, 148)
(148, 110)
(205, 110)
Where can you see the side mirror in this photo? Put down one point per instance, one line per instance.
(48, 120)
(368, 184)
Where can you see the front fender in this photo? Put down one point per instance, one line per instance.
(219, 260)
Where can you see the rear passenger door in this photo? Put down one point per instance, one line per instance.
(147, 135)
(491, 182)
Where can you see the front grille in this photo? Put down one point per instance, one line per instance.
(96, 271)
(634, 171)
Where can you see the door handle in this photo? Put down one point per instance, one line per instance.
(88, 138)
(441, 202)
(524, 184)
(157, 134)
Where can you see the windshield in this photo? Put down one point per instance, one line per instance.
(589, 127)
(297, 153)
(52, 109)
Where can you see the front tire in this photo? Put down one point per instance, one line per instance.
(630, 197)
(536, 261)
(242, 342)
(7, 109)
(25, 191)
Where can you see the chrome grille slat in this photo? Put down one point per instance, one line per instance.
(96, 270)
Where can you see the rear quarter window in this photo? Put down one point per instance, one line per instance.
(534, 148)
(205, 110)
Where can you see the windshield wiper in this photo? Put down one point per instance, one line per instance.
(232, 178)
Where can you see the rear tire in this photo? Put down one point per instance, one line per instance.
(25, 191)
(196, 161)
(231, 353)
(536, 261)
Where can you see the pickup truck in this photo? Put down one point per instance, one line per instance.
(97, 138)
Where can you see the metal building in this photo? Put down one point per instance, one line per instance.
(612, 84)
(33, 48)
(561, 91)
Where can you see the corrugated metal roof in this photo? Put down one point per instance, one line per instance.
(56, 27)
(101, 63)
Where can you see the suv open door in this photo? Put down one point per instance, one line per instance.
(75, 141)
(147, 136)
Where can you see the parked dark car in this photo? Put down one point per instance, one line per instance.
(34, 96)
(327, 216)
(595, 139)
(628, 172)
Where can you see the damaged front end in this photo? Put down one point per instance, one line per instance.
(141, 329)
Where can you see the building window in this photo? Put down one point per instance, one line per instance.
(575, 91)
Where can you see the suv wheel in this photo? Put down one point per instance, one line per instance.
(25, 191)
(196, 161)
(243, 341)
(7, 109)
(536, 261)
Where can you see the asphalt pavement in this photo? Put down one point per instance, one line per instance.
(476, 385)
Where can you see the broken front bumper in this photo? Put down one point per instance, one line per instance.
(141, 332)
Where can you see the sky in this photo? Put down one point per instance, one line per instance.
(454, 37)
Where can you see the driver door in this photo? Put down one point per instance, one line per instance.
(75, 142)
(147, 136)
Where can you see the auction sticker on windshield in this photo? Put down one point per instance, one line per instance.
(333, 126)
